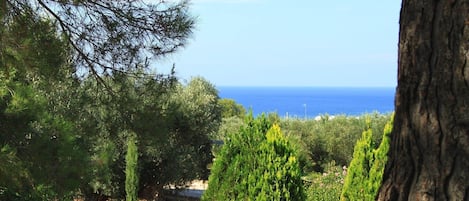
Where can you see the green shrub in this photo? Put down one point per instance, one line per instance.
(257, 163)
(366, 169)
(131, 169)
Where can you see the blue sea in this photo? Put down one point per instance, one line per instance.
(310, 102)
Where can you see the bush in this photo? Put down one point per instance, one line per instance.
(131, 169)
(257, 163)
(366, 169)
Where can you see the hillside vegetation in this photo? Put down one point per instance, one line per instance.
(324, 149)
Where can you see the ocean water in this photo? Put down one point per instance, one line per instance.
(310, 102)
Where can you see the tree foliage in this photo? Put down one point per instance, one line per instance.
(76, 124)
(53, 123)
(39, 143)
(331, 138)
(365, 173)
(172, 123)
(257, 163)
(231, 109)
(192, 115)
(131, 168)
(108, 36)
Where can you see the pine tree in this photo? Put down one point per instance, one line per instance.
(40, 144)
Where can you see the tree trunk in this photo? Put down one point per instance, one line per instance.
(429, 155)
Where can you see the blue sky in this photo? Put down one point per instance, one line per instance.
(291, 43)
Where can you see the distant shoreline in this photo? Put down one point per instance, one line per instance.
(327, 87)
(310, 102)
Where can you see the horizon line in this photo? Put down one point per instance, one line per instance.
(299, 86)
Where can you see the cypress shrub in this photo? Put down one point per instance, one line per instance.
(366, 169)
(131, 171)
(257, 163)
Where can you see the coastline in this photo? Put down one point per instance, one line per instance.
(311, 102)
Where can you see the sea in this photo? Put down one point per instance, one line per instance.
(311, 102)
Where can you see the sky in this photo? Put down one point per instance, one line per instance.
(305, 43)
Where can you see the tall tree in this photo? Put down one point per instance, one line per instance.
(38, 144)
(429, 154)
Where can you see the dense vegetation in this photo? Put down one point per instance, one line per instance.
(64, 136)
(126, 132)
(256, 163)
(366, 169)
(46, 133)
(320, 142)
(325, 147)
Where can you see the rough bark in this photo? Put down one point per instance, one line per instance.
(429, 156)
